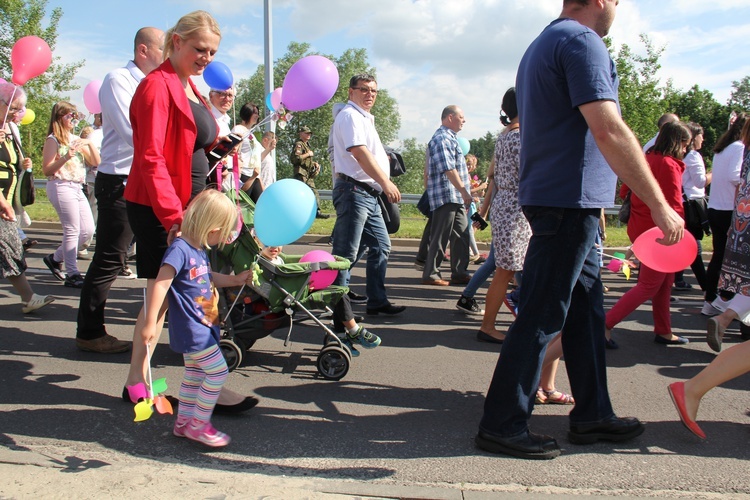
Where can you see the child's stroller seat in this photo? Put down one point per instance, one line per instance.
(277, 292)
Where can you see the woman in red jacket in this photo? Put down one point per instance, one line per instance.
(173, 128)
(665, 159)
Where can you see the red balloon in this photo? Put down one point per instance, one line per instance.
(29, 58)
(665, 258)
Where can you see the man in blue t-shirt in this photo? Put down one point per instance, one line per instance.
(572, 139)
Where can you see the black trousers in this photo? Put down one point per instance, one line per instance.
(720, 221)
(113, 236)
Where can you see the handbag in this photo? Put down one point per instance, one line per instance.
(624, 214)
(423, 205)
(26, 189)
(696, 217)
(391, 214)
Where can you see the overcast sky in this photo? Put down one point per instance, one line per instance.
(427, 53)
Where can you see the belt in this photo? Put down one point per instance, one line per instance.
(116, 176)
(366, 187)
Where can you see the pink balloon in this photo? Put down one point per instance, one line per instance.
(3, 80)
(91, 96)
(665, 258)
(310, 83)
(324, 277)
(276, 98)
(29, 58)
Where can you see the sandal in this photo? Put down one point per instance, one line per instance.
(554, 397)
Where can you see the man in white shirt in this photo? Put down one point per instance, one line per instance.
(221, 102)
(114, 235)
(362, 174)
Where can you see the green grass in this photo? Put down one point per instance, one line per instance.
(412, 223)
(42, 209)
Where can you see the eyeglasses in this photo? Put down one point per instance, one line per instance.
(225, 95)
(13, 110)
(367, 90)
(71, 116)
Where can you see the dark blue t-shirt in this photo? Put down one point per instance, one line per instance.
(566, 66)
(193, 302)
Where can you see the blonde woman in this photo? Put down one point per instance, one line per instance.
(63, 160)
(173, 128)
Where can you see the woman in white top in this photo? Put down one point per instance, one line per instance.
(63, 163)
(251, 151)
(694, 182)
(728, 154)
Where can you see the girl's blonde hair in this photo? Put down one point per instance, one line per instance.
(188, 26)
(86, 131)
(55, 128)
(210, 210)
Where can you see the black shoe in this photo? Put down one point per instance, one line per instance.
(54, 266)
(744, 331)
(525, 445)
(386, 309)
(74, 281)
(678, 341)
(682, 285)
(321, 215)
(244, 405)
(483, 337)
(28, 243)
(612, 429)
(356, 298)
(611, 344)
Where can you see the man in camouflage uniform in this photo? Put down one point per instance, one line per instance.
(305, 169)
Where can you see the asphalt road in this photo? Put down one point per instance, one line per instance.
(401, 424)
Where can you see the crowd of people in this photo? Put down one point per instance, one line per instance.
(555, 166)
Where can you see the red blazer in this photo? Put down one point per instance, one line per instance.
(164, 135)
(668, 173)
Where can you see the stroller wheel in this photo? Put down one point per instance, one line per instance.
(333, 362)
(233, 351)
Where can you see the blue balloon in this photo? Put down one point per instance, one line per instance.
(218, 76)
(269, 104)
(284, 212)
(464, 145)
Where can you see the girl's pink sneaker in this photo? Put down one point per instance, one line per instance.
(207, 435)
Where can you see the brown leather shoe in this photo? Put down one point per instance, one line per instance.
(103, 345)
(436, 282)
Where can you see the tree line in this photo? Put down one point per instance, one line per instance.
(643, 97)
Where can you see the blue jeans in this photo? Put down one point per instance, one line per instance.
(359, 221)
(562, 290)
(481, 275)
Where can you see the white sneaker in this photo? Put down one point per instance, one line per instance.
(709, 310)
(84, 254)
(720, 304)
(37, 302)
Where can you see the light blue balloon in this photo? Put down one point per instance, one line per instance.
(218, 76)
(284, 212)
(269, 104)
(464, 145)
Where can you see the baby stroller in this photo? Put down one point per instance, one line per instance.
(278, 292)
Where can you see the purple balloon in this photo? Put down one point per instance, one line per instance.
(310, 83)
